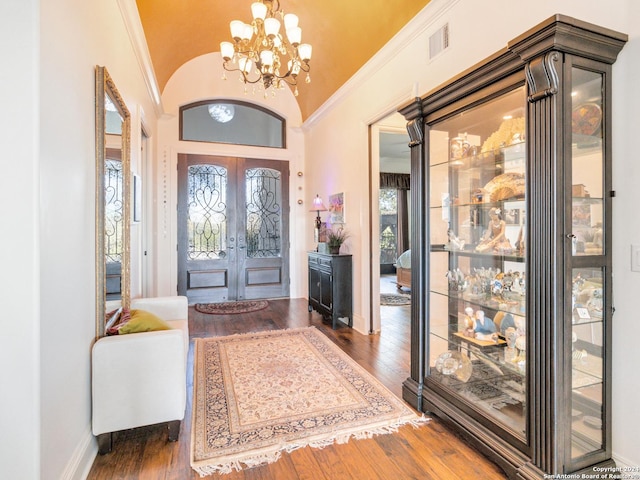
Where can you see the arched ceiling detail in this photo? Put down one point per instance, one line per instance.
(344, 34)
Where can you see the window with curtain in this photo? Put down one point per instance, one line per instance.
(388, 225)
(394, 216)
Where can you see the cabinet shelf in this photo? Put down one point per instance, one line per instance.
(584, 144)
(591, 321)
(470, 253)
(489, 159)
(587, 371)
(484, 205)
(514, 305)
(587, 200)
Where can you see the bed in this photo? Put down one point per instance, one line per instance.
(403, 270)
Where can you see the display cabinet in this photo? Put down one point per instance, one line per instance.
(511, 339)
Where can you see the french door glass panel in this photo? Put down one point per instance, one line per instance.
(207, 212)
(208, 217)
(478, 319)
(263, 210)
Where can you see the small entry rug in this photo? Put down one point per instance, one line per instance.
(394, 299)
(229, 308)
(260, 394)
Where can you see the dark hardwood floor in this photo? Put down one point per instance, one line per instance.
(429, 452)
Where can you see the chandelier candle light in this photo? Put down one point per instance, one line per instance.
(277, 58)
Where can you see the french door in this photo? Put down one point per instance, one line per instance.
(233, 228)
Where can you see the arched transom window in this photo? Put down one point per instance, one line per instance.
(234, 122)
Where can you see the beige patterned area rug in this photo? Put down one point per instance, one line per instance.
(260, 394)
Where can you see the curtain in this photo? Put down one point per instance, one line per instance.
(400, 181)
(403, 221)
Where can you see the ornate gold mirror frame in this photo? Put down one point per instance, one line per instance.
(108, 97)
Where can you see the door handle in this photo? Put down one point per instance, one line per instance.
(242, 246)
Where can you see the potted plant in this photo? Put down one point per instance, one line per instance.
(335, 238)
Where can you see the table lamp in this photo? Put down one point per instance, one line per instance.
(318, 207)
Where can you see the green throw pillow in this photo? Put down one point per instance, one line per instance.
(143, 321)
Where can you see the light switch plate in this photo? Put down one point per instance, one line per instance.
(635, 258)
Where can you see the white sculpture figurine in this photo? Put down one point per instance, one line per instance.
(493, 238)
(469, 323)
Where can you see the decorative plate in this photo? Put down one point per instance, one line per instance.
(586, 119)
(454, 363)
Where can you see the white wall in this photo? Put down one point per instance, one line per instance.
(47, 246)
(19, 242)
(337, 156)
(201, 79)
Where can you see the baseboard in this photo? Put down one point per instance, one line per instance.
(360, 325)
(628, 468)
(82, 459)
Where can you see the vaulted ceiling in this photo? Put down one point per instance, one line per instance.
(344, 34)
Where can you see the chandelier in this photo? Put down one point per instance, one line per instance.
(277, 57)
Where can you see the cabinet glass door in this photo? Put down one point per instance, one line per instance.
(478, 321)
(588, 216)
(587, 204)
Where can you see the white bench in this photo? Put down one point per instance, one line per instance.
(139, 379)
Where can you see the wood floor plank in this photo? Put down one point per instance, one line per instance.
(394, 447)
(307, 466)
(262, 472)
(431, 451)
(283, 468)
(352, 460)
(437, 441)
(427, 460)
(372, 453)
(331, 462)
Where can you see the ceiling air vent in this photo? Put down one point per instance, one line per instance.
(439, 41)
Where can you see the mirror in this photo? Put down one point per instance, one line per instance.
(112, 198)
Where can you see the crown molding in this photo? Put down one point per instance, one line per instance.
(132, 22)
(422, 22)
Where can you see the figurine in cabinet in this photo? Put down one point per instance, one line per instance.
(469, 323)
(485, 327)
(455, 243)
(520, 242)
(494, 238)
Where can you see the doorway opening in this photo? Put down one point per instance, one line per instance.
(390, 212)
